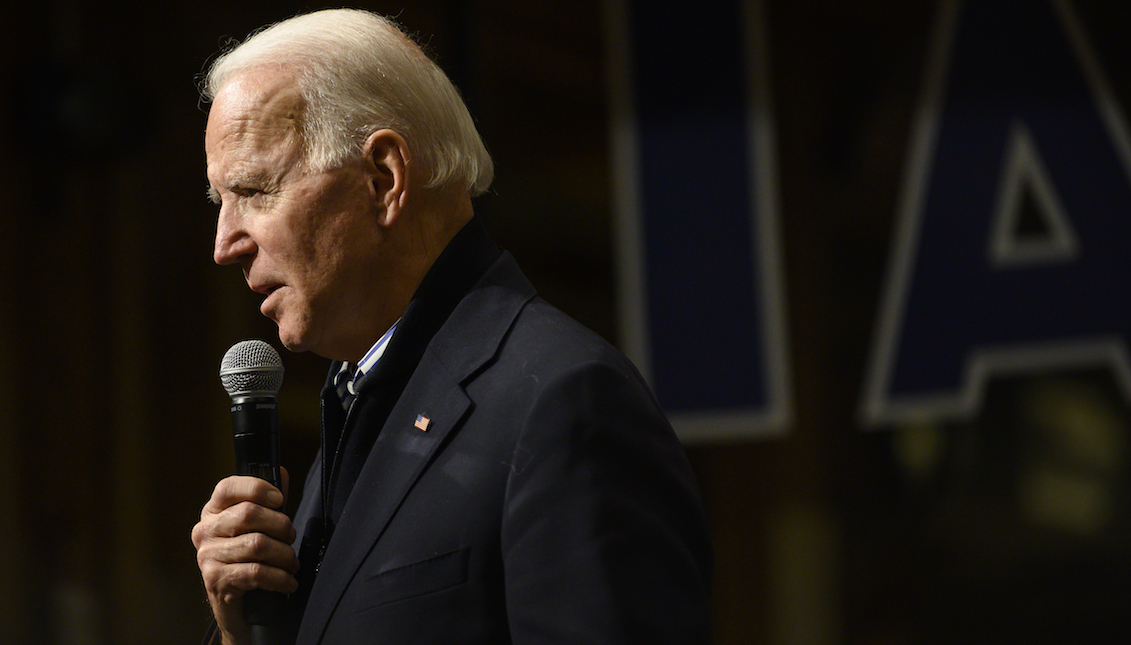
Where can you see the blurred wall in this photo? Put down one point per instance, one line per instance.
(113, 425)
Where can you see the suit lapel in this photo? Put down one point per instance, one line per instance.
(399, 457)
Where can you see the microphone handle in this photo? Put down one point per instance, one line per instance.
(255, 432)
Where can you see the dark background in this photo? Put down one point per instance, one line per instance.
(114, 428)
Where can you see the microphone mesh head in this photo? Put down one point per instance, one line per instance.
(250, 368)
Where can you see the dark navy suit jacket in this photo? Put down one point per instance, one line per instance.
(541, 498)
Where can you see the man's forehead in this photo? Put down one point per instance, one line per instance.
(271, 91)
(254, 111)
(256, 102)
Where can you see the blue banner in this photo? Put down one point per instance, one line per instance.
(1015, 220)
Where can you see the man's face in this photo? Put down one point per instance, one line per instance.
(305, 239)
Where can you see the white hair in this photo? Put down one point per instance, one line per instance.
(359, 73)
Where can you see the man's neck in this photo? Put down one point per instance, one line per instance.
(415, 243)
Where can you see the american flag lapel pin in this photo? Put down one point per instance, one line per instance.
(422, 423)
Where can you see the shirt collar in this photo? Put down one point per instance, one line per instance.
(367, 362)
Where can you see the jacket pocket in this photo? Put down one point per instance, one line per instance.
(434, 574)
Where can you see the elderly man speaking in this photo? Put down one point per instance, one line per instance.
(491, 472)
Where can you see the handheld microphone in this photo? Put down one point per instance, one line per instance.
(252, 373)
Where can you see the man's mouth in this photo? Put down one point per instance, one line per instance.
(265, 289)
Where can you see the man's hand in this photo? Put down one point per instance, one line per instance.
(243, 544)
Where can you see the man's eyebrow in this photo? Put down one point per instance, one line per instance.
(236, 182)
(246, 180)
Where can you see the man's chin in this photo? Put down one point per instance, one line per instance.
(294, 342)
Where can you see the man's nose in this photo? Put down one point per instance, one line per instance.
(233, 241)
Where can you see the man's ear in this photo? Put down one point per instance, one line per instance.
(387, 163)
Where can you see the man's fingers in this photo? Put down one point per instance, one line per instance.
(228, 581)
(241, 488)
(242, 518)
(248, 548)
